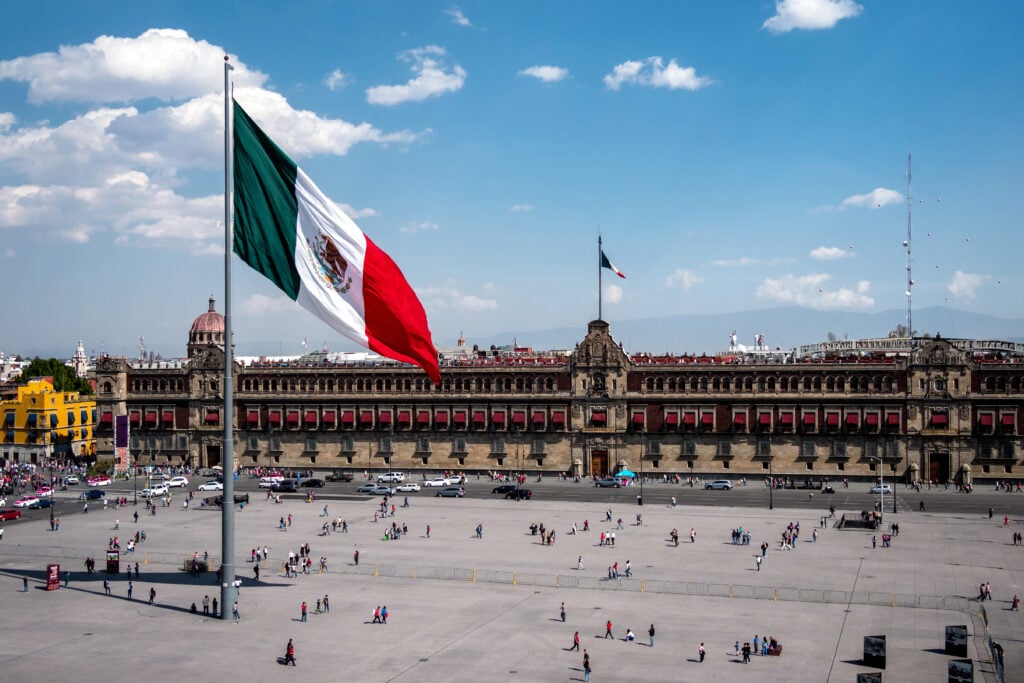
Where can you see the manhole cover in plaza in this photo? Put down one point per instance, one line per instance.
(424, 659)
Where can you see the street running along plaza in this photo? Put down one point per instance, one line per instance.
(476, 606)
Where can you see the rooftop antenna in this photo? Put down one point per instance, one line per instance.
(142, 348)
(910, 277)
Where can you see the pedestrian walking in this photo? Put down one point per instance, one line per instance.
(562, 612)
(214, 609)
(384, 614)
(234, 612)
(129, 590)
(608, 630)
(206, 605)
(575, 641)
(757, 558)
(355, 556)
(579, 563)
(289, 654)
(136, 516)
(693, 536)
(256, 572)
(586, 669)
(650, 632)
(152, 595)
(327, 605)
(376, 615)
(757, 645)
(701, 652)
(737, 647)
(24, 583)
(304, 607)
(106, 586)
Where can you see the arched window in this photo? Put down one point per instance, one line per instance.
(807, 383)
(716, 384)
(659, 385)
(841, 384)
(830, 384)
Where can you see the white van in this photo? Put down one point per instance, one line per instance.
(391, 477)
(267, 482)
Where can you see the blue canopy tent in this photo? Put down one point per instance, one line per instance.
(626, 473)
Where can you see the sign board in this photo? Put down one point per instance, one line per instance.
(52, 577)
(956, 641)
(961, 671)
(873, 677)
(113, 561)
(874, 651)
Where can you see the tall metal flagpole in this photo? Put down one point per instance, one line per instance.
(228, 593)
(599, 269)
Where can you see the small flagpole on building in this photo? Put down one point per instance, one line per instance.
(228, 592)
(599, 269)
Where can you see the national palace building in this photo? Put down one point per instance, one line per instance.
(929, 408)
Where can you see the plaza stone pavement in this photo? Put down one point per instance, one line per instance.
(481, 631)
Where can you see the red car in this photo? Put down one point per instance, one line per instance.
(8, 515)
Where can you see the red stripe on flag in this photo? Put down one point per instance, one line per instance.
(396, 324)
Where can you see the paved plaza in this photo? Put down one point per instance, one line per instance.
(494, 612)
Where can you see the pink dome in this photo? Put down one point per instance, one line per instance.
(208, 322)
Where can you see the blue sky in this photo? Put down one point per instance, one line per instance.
(734, 156)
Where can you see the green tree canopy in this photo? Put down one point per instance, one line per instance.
(64, 378)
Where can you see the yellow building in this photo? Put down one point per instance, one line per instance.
(42, 421)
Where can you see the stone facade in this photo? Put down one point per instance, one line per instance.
(942, 409)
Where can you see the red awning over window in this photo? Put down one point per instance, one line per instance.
(1008, 420)
(518, 417)
(168, 416)
(638, 418)
(423, 417)
(479, 417)
(892, 419)
(441, 418)
(498, 417)
(292, 417)
(328, 417)
(274, 417)
(558, 417)
(459, 417)
(985, 420)
(404, 417)
(150, 417)
(831, 419)
(940, 419)
(810, 419)
(310, 418)
(852, 420)
(384, 417)
(672, 419)
(786, 418)
(707, 419)
(764, 419)
(739, 418)
(134, 417)
(106, 418)
(212, 417)
(871, 419)
(689, 418)
(252, 417)
(348, 417)
(539, 418)
(599, 417)
(365, 417)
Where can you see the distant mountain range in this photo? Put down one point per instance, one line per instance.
(784, 327)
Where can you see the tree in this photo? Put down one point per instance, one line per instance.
(900, 331)
(831, 336)
(64, 378)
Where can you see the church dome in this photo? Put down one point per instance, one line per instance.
(208, 322)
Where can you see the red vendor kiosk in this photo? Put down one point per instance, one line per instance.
(52, 577)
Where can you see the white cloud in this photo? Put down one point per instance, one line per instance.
(7, 119)
(878, 197)
(809, 291)
(613, 294)
(259, 306)
(517, 208)
(965, 285)
(165, 64)
(355, 213)
(830, 253)
(653, 72)
(8, 253)
(433, 78)
(458, 17)
(336, 80)
(741, 261)
(450, 297)
(810, 15)
(548, 74)
(683, 279)
(410, 228)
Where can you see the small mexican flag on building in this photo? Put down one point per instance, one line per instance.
(288, 230)
(605, 263)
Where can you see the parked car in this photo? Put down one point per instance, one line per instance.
(504, 488)
(391, 477)
(92, 494)
(101, 480)
(405, 488)
(71, 480)
(286, 486)
(456, 479)
(608, 483)
(520, 494)
(25, 501)
(176, 482)
(154, 490)
(268, 482)
(451, 492)
(367, 488)
(211, 486)
(9, 515)
(43, 491)
(312, 483)
(42, 503)
(881, 488)
(339, 475)
(718, 485)
(439, 482)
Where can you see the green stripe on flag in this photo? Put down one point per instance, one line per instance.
(266, 212)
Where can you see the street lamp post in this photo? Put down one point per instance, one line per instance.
(881, 487)
(52, 497)
(771, 477)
